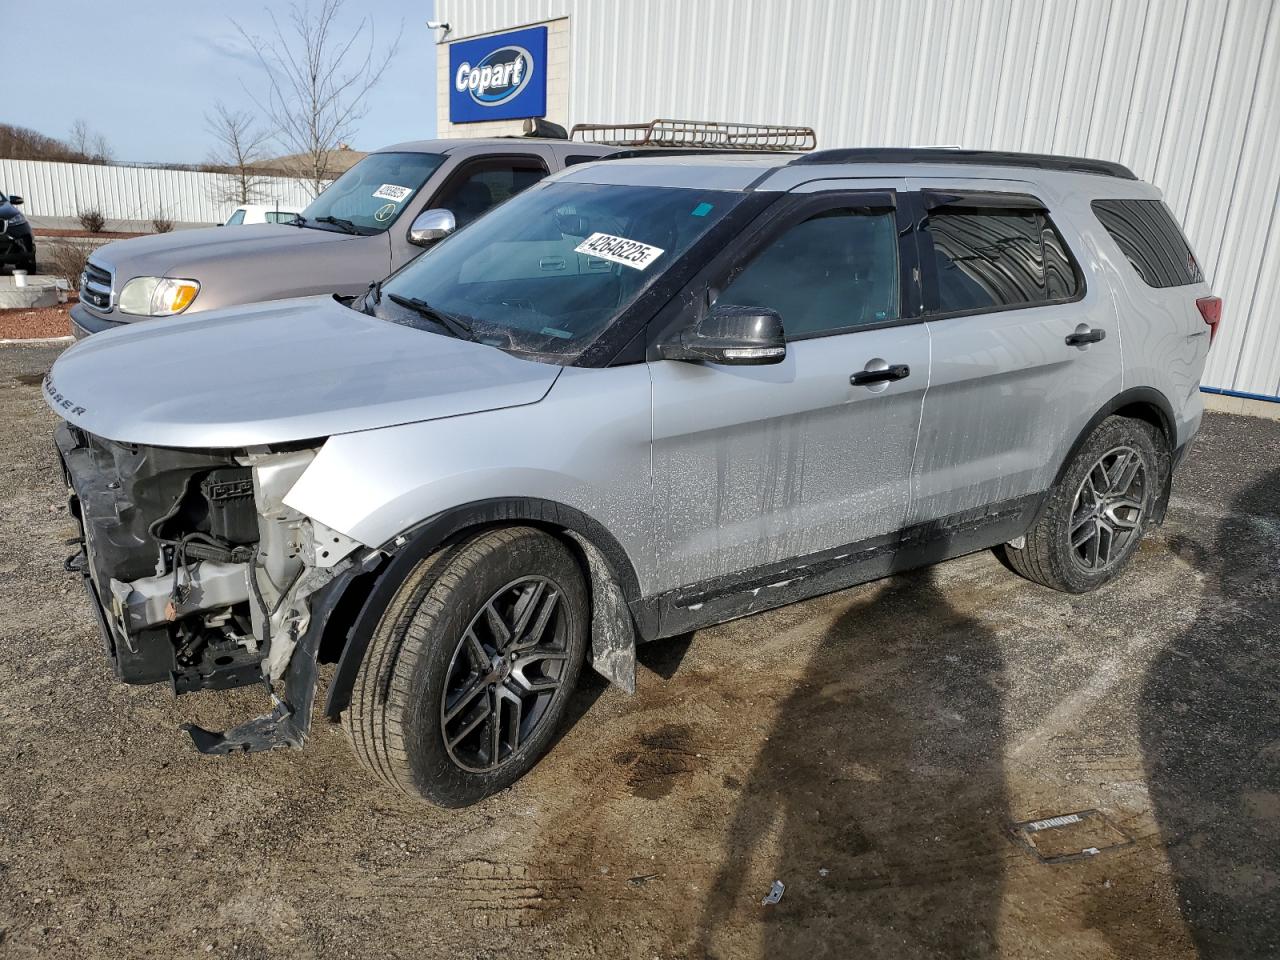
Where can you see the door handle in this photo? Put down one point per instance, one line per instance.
(896, 371)
(1084, 335)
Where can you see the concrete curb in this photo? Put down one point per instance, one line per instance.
(35, 341)
(1243, 406)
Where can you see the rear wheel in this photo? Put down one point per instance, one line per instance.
(468, 674)
(1097, 513)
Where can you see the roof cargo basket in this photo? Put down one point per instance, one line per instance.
(992, 158)
(699, 134)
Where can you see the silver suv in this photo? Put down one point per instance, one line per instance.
(642, 397)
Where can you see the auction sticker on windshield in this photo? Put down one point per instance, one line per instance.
(390, 191)
(629, 253)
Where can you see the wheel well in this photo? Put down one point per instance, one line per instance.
(358, 592)
(1149, 413)
(582, 534)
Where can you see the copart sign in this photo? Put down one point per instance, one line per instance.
(499, 77)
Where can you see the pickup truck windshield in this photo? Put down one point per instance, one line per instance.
(372, 194)
(547, 271)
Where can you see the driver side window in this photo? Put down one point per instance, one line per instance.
(486, 184)
(834, 271)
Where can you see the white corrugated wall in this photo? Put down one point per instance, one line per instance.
(53, 189)
(1186, 92)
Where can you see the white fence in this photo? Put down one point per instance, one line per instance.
(134, 193)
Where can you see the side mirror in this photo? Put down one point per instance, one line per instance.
(15, 200)
(731, 334)
(430, 226)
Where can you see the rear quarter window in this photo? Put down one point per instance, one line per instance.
(993, 258)
(1149, 236)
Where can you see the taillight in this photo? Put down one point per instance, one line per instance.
(1211, 310)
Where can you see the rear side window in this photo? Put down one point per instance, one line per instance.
(988, 258)
(1149, 236)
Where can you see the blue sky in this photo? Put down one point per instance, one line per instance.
(143, 72)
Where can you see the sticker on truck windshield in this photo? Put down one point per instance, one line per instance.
(629, 253)
(389, 191)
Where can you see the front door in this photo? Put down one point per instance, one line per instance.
(759, 466)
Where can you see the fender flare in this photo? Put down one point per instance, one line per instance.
(408, 549)
(1145, 396)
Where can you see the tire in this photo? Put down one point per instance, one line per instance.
(1087, 531)
(422, 678)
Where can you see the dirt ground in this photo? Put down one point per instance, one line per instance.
(870, 749)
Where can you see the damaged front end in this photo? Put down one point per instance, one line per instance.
(201, 576)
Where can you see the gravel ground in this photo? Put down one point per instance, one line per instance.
(870, 749)
(31, 324)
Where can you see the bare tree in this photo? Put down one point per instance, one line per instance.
(80, 137)
(241, 147)
(101, 152)
(19, 143)
(318, 80)
(90, 145)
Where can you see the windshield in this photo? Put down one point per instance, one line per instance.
(372, 194)
(549, 270)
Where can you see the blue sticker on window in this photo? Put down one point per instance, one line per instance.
(701, 210)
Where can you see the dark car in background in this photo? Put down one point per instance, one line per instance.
(17, 246)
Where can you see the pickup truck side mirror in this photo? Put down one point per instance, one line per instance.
(432, 225)
(730, 334)
(15, 200)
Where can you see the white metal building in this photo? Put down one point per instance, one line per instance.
(1185, 92)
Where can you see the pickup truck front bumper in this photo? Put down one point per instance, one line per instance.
(85, 322)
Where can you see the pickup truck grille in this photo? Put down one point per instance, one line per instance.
(95, 286)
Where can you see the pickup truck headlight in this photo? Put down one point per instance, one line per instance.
(157, 296)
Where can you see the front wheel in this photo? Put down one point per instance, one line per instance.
(468, 675)
(1096, 514)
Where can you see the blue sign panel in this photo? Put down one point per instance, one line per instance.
(502, 77)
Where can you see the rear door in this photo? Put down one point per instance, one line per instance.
(760, 466)
(1024, 353)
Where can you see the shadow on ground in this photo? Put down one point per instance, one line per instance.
(1210, 733)
(919, 875)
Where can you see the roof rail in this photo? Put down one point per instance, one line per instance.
(995, 158)
(699, 134)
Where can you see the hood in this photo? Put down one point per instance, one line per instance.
(278, 372)
(184, 251)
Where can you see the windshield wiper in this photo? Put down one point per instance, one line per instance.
(346, 225)
(298, 221)
(459, 328)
